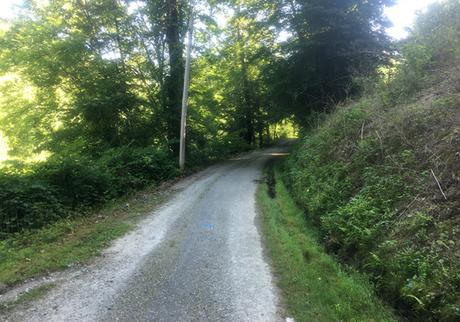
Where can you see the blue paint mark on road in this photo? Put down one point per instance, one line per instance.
(207, 226)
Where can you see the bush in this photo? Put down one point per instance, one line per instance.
(64, 187)
(80, 183)
(132, 169)
(26, 204)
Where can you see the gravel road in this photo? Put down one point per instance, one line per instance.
(199, 257)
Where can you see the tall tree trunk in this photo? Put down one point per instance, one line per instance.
(248, 114)
(173, 83)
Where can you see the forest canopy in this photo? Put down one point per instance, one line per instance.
(79, 77)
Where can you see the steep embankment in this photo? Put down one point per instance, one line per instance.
(313, 285)
(380, 176)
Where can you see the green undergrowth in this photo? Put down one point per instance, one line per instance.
(315, 287)
(33, 196)
(71, 242)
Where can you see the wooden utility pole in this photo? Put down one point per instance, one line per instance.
(183, 121)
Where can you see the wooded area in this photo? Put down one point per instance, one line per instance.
(92, 89)
(103, 74)
(90, 109)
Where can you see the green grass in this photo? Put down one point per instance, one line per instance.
(26, 297)
(314, 286)
(71, 242)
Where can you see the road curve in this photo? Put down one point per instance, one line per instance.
(199, 257)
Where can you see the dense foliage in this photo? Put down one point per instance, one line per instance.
(332, 43)
(368, 176)
(92, 89)
(66, 187)
(90, 95)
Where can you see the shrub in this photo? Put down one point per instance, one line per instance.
(132, 169)
(27, 204)
(63, 187)
(80, 183)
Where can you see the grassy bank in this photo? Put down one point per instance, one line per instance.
(376, 200)
(73, 241)
(314, 285)
(380, 175)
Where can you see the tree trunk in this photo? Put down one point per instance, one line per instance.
(173, 83)
(248, 117)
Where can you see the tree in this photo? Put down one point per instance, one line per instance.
(331, 42)
(107, 73)
(170, 16)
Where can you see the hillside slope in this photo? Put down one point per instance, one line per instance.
(380, 176)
